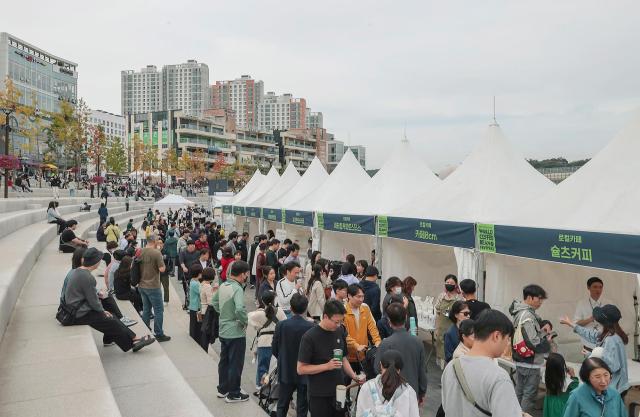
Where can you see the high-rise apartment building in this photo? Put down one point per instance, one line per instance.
(186, 87)
(36, 74)
(176, 87)
(141, 92)
(114, 128)
(242, 96)
(282, 112)
(336, 150)
(314, 119)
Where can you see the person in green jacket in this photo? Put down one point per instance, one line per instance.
(560, 381)
(595, 398)
(171, 250)
(228, 301)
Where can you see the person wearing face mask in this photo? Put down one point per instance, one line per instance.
(228, 301)
(393, 286)
(443, 305)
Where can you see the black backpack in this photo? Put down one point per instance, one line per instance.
(136, 271)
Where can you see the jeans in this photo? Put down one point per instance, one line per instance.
(264, 359)
(284, 398)
(527, 382)
(230, 365)
(287, 313)
(152, 298)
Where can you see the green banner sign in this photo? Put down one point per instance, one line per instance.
(320, 218)
(383, 226)
(227, 209)
(486, 237)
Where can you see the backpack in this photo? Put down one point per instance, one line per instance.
(136, 271)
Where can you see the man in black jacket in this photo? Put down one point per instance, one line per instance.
(285, 347)
(410, 347)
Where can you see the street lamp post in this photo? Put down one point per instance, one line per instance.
(7, 128)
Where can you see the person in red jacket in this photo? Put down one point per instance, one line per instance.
(227, 259)
(202, 243)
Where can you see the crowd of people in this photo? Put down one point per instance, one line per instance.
(330, 328)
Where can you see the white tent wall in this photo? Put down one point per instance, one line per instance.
(301, 234)
(428, 264)
(336, 245)
(565, 285)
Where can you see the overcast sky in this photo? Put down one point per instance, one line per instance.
(566, 74)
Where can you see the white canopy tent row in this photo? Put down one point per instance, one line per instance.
(347, 177)
(173, 202)
(229, 211)
(587, 226)
(349, 222)
(298, 225)
(433, 235)
(248, 221)
(258, 210)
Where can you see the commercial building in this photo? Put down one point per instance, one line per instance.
(183, 132)
(113, 124)
(282, 112)
(176, 87)
(336, 150)
(256, 148)
(299, 147)
(242, 96)
(43, 80)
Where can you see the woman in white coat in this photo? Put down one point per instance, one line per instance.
(388, 394)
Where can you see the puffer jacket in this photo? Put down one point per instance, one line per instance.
(532, 334)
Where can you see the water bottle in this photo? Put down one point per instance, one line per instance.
(413, 329)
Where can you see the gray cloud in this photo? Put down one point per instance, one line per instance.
(564, 73)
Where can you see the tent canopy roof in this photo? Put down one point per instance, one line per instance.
(346, 177)
(313, 178)
(286, 182)
(493, 182)
(267, 184)
(602, 196)
(254, 182)
(393, 186)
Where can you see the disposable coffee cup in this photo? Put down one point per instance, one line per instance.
(337, 354)
(341, 395)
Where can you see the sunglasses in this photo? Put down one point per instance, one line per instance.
(466, 313)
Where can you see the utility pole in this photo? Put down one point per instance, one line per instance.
(7, 128)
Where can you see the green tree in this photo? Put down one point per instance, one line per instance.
(116, 157)
(96, 147)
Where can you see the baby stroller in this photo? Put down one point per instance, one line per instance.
(268, 394)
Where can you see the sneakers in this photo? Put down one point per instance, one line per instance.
(222, 395)
(163, 338)
(237, 399)
(109, 344)
(128, 322)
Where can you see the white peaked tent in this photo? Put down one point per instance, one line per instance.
(270, 180)
(490, 182)
(286, 182)
(312, 179)
(401, 177)
(173, 202)
(253, 184)
(347, 177)
(602, 196)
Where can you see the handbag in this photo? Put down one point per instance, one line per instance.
(66, 314)
(519, 344)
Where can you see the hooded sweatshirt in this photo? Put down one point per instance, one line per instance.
(532, 334)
